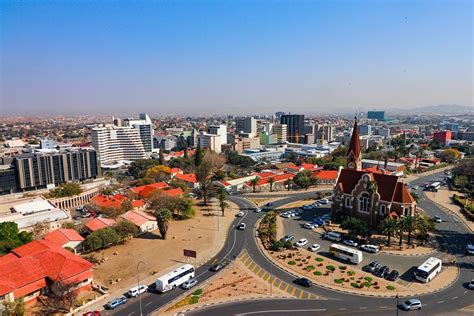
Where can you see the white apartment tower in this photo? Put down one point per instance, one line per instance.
(210, 141)
(145, 128)
(220, 130)
(280, 130)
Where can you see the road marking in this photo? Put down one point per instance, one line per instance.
(256, 271)
(294, 290)
(268, 277)
(383, 307)
(454, 298)
(308, 295)
(248, 264)
(283, 311)
(281, 283)
(264, 274)
(342, 309)
(274, 279)
(287, 286)
(363, 307)
(245, 261)
(301, 294)
(440, 302)
(148, 303)
(465, 292)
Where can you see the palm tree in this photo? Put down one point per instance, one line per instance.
(163, 217)
(222, 195)
(254, 183)
(389, 227)
(288, 184)
(271, 181)
(408, 224)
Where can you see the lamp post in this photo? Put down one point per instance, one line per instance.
(138, 285)
(396, 307)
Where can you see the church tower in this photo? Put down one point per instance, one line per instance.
(354, 156)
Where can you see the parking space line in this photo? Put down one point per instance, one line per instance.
(264, 273)
(308, 295)
(258, 270)
(286, 288)
(274, 279)
(301, 294)
(249, 264)
(294, 290)
(267, 277)
(245, 261)
(244, 256)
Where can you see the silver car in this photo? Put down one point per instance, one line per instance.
(189, 283)
(411, 304)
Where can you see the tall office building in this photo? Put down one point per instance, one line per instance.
(278, 115)
(376, 115)
(43, 169)
(210, 141)
(280, 133)
(246, 125)
(295, 131)
(145, 128)
(220, 130)
(114, 143)
(365, 129)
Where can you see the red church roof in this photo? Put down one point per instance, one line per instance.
(354, 145)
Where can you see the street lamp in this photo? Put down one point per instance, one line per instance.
(396, 307)
(138, 286)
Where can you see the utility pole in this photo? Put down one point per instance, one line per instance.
(138, 285)
(396, 307)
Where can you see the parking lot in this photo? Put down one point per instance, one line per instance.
(405, 265)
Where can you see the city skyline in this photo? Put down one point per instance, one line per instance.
(234, 58)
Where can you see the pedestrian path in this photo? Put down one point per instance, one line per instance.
(276, 282)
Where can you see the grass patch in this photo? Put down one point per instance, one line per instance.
(390, 287)
(291, 263)
(310, 267)
(193, 299)
(351, 272)
(338, 281)
(352, 278)
(368, 279)
(317, 273)
(319, 259)
(330, 268)
(367, 284)
(354, 284)
(197, 292)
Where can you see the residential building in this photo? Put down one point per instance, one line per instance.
(145, 129)
(144, 221)
(66, 238)
(220, 130)
(278, 182)
(146, 191)
(99, 223)
(47, 169)
(326, 177)
(295, 127)
(365, 129)
(246, 125)
(30, 270)
(394, 168)
(376, 115)
(189, 179)
(210, 141)
(115, 144)
(371, 197)
(442, 137)
(382, 131)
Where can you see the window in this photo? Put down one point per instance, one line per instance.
(383, 209)
(406, 211)
(348, 202)
(364, 203)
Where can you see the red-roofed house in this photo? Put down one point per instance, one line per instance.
(114, 201)
(99, 223)
(370, 196)
(189, 179)
(145, 191)
(144, 221)
(65, 238)
(278, 182)
(302, 167)
(326, 176)
(31, 269)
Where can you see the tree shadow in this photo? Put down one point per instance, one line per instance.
(149, 236)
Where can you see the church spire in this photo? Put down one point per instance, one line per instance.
(353, 153)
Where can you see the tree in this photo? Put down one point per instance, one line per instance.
(254, 183)
(355, 227)
(450, 155)
(158, 173)
(424, 225)
(222, 195)
(271, 181)
(66, 189)
(288, 184)
(138, 168)
(126, 229)
(61, 297)
(92, 242)
(407, 224)
(203, 175)
(461, 181)
(163, 217)
(101, 238)
(415, 195)
(292, 157)
(10, 237)
(389, 227)
(198, 155)
(126, 206)
(15, 308)
(302, 179)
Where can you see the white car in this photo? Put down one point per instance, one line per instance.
(438, 219)
(350, 242)
(309, 225)
(137, 290)
(323, 201)
(415, 187)
(314, 247)
(370, 248)
(240, 214)
(257, 210)
(471, 285)
(301, 243)
(241, 226)
(470, 249)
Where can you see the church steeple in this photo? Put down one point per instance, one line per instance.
(354, 157)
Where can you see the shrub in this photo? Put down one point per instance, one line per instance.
(338, 281)
(331, 268)
(354, 284)
(368, 279)
(367, 284)
(351, 272)
(193, 299)
(319, 259)
(317, 273)
(352, 278)
(390, 287)
(197, 292)
(343, 267)
(291, 263)
(310, 267)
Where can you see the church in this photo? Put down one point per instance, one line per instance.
(368, 195)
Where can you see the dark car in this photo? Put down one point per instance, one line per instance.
(269, 204)
(303, 282)
(217, 267)
(382, 272)
(392, 276)
(372, 267)
(116, 302)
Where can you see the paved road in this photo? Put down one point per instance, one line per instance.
(453, 298)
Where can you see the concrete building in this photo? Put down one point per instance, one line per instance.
(167, 142)
(365, 129)
(220, 130)
(210, 141)
(324, 134)
(442, 137)
(376, 115)
(280, 132)
(244, 143)
(114, 144)
(295, 127)
(145, 129)
(246, 125)
(144, 221)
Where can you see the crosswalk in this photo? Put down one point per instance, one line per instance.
(277, 283)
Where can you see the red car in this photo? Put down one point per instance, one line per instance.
(94, 313)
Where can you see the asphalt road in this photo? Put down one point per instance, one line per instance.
(453, 298)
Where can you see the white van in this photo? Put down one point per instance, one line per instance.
(333, 236)
(135, 291)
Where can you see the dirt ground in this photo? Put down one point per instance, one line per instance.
(235, 283)
(199, 234)
(297, 204)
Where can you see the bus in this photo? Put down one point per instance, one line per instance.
(174, 278)
(428, 270)
(434, 186)
(346, 253)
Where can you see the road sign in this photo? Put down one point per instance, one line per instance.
(190, 253)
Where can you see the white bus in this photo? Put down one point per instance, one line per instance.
(428, 270)
(434, 186)
(174, 278)
(346, 253)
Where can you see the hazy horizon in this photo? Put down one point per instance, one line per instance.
(214, 57)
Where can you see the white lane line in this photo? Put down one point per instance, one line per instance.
(282, 311)
(454, 298)
(149, 303)
(342, 309)
(440, 302)
(465, 292)
(383, 307)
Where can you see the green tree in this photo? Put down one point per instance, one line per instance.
(66, 189)
(461, 181)
(389, 227)
(138, 168)
(450, 155)
(10, 237)
(15, 308)
(254, 183)
(271, 181)
(198, 155)
(92, 242)
(302, 179)
(288, 184)
(108, 236)
(407, 224)
(222, 196)
(126, 206)
(163, 217)
(126, 229)
(355, 227)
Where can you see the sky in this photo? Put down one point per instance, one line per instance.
(233, 57)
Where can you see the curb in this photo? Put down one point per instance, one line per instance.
(445, 209)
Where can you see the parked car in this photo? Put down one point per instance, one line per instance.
(240, 214)
(471, 285)
(257, 210)
(438, 219)
(314, 247)
(323, 201)
(411, 304)
(333, 236)
(415, 187)
(310, 225)
(470, 249)
(370, 248)
(218, 266)
(301, 243)
(116, 302)
(371, 267)
(382, 272)
(288, 237)
(137, 290)
(350, 242)
(269, 204)
(303, 282)
(189, 283)
(241, 226)
(392, 276)
(94, 313)
(86, 214)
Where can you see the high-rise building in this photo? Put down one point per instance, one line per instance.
(365, 129)
(145, 128)
(295, 123)
(220, 130)
(114, 143)
(246, 125)
(44, 169)
(278, 115)
(280, 132)
(376, 115)
(442, 137)
(210, 141)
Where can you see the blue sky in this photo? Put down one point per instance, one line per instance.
(213, 57)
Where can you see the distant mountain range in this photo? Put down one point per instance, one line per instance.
(443, 109)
